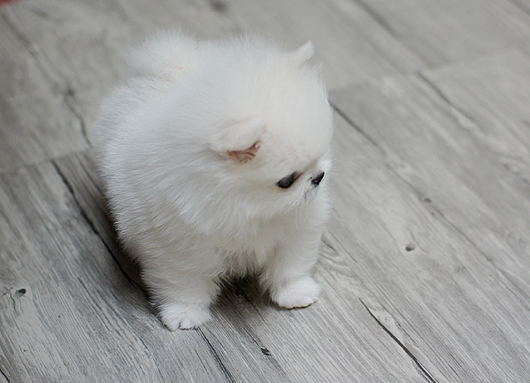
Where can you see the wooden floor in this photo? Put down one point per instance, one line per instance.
(425, 262)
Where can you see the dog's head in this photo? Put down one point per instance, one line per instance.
(268, 126)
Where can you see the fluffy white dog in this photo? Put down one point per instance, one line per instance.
(213, 157)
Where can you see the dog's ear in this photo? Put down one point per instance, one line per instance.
(304, 53)
(239, 140)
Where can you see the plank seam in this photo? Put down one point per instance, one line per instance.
(40, 161)
(365, 294)
(355, 126)
(442, 95)
(466, 115)
(69, 100)
(326, 242)
(4, 375)
(518, 5)
(68, 94)
(90, 222)
(417, 192)
(378, 18)
(420, 366)
(432, 208)
(437, 213)
(217, 357)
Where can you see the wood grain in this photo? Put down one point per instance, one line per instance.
(60, 59)
(452, 30)
(493, 94)
(431, 231)
(238, 355)
(335, 340)
(428, 144)
(67, 312)
(351, 44)
(425, 259)
(65, 57)
(36, 121)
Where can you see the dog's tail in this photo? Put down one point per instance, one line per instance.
(166, 55)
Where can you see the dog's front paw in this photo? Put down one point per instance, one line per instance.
(178, 316)
(300, 293)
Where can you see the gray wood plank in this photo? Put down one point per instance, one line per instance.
(80, 176)
(523, 4)
(58, 60)
(434, 242)
(452, 30)
(236, 352)
(425, 261)
(67, 313)
(493, 92)
(429, 144)
(36, 122)
(351, 44)
(82, 44)
(336, 340)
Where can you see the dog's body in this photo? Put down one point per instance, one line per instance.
(213, 158)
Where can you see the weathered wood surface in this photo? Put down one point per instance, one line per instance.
(37, 123)
(301, 343)
(461, 291)
(453, 30)
(68, 313)
(425, 262)
(61, 58)
(492, 94)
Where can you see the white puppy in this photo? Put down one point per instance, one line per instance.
(213, 157)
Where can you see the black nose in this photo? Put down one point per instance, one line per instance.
(317, 179)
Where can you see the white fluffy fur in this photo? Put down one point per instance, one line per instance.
(191, 148)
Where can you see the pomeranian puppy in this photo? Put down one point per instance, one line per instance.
(214, 157)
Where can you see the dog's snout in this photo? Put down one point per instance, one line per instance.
(317, 179)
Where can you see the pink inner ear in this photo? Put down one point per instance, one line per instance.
(245, 155)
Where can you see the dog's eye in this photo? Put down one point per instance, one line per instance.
(286, 182)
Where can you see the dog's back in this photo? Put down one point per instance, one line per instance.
(164, 56)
